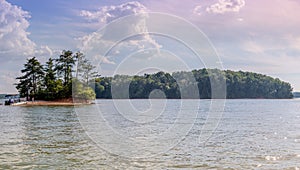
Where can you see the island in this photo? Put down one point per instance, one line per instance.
(56, 83)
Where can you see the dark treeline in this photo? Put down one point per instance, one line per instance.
(55, 80)
(238, 85)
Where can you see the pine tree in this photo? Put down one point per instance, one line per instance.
(50, 82)
(64, 66)
(30, 82)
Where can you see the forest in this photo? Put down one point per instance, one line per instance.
(71, 75)
(238, 84)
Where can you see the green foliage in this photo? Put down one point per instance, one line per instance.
(81, 92)
(252, 85)
(54, 80)
(102, 86)
(30, 82)
(64, 65)
(180, 85)
(51, 85)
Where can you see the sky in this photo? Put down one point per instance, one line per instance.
(259, 35)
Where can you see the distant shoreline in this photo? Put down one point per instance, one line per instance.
(57, 103)
(52, 103)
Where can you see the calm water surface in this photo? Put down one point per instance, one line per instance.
(252, 134)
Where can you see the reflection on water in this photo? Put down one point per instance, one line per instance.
(253, 134)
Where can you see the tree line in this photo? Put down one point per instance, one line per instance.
(55, 80)
(238, 84)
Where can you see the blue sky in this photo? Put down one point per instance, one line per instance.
(258, 35)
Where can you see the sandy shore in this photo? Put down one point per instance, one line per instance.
(51, 103)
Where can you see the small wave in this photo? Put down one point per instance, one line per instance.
(272, 158)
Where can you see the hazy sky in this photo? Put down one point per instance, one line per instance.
(252, 35)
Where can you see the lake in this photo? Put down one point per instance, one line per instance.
(251, 134)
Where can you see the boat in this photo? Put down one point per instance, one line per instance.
(11, 99)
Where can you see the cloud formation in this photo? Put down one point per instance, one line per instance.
(14, 40)
(90, 43)
(107, 14)
(224, 6)
(13, 35)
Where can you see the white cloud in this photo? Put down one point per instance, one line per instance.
(94, 43)
(14, 39)
(198, 10)
(44, 51)
(224, 6)
(107, 14)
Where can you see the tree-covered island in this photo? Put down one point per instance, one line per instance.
(239, 85)
(56, 80)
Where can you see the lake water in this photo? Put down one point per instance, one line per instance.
(252, 134)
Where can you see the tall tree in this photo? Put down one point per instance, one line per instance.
(85, 69)
(80, 59)
(64, 66)
(88, 72)
(30, 82)
(50, 83)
